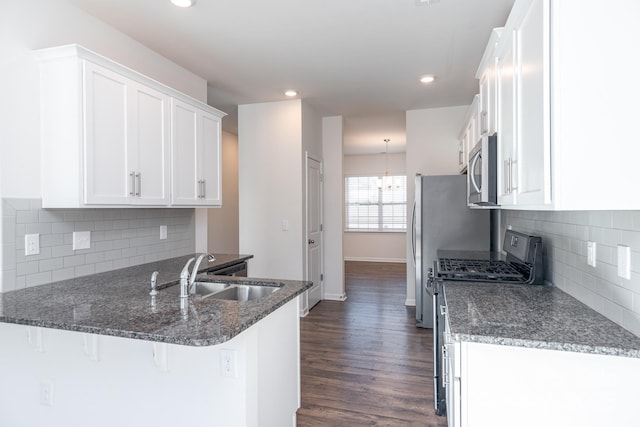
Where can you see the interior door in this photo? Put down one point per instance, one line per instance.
(314, 230)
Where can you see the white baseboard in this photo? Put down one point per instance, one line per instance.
(399, 260)
(335, 297)
(410, 302)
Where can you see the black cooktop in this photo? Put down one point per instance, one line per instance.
(522, 264)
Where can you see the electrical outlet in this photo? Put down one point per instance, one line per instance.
(81, 240)
(46, 393)
(228, 363)
(591, 254)
(163, 232)
(31, 244)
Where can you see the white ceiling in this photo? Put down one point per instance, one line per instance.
(357, 58)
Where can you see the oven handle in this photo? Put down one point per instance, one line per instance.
(443, 310)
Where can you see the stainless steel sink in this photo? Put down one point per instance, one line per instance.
(240, 292)
(208, 288)
(245, 292)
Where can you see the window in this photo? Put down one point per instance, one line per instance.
(376, 203)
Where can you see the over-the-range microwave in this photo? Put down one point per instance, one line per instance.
(482, 172)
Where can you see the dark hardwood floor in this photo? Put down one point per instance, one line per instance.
(364, 363)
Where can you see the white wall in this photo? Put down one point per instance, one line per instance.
(432, 149)
(333, 213)
(223, 225)
(270, 187)
(370, 246)
(34, 24)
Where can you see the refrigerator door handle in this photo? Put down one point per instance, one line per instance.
(413, 235)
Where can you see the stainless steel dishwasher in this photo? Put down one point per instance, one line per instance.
(238, 269)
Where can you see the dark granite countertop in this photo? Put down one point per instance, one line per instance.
(532, 316)
(117, 303)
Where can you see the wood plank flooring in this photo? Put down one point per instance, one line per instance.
(364, 363)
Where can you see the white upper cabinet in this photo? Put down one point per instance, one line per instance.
(566, 120)
(488, 77)
(524, 176)
(195, 156)
(126, 144)
(470, 134)
(107, 134)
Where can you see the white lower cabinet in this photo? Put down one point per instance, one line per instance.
(107, 136)
(499, 385)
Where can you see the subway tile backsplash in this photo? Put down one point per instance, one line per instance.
(119, 238)
(565, 236)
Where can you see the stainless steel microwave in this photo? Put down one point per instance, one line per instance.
(482, 172)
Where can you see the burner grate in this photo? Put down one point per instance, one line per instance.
(471, 269)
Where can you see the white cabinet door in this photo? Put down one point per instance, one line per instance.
(126, 141)
(210, 160)
(149, 149)
(184, 153)
(107, 165)
(196, 156)
(533, 164)
(506, 118)
(488, 79)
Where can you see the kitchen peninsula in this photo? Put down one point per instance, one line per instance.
(99, 350)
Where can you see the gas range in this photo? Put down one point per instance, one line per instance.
(522, 264)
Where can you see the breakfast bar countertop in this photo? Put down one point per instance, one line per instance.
(117, 303)
(532, 316)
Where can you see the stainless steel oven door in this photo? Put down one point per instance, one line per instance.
(435, 290)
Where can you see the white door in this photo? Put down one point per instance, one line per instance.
(314, 230)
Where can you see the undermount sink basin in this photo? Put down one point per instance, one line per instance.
(245, 292)
(227, 291)
(208, 288)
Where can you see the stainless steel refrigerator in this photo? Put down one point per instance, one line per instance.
(442, 220)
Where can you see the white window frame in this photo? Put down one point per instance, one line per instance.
(379, 202)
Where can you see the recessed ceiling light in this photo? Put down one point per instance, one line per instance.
(427, 78)
(291, 93)
(183, 3)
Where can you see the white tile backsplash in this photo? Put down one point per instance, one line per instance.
(565, 235)
(119, 238)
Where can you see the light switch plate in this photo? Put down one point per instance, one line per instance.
(591, 254)
(81, 240)
(163, 232)
(31, 244)
(624, 262)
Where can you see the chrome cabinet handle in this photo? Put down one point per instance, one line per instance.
(484, 123)
(512, 179)
(132, 184)
(201, 189)
(204, 188)
(138, 184)
(445, 363)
